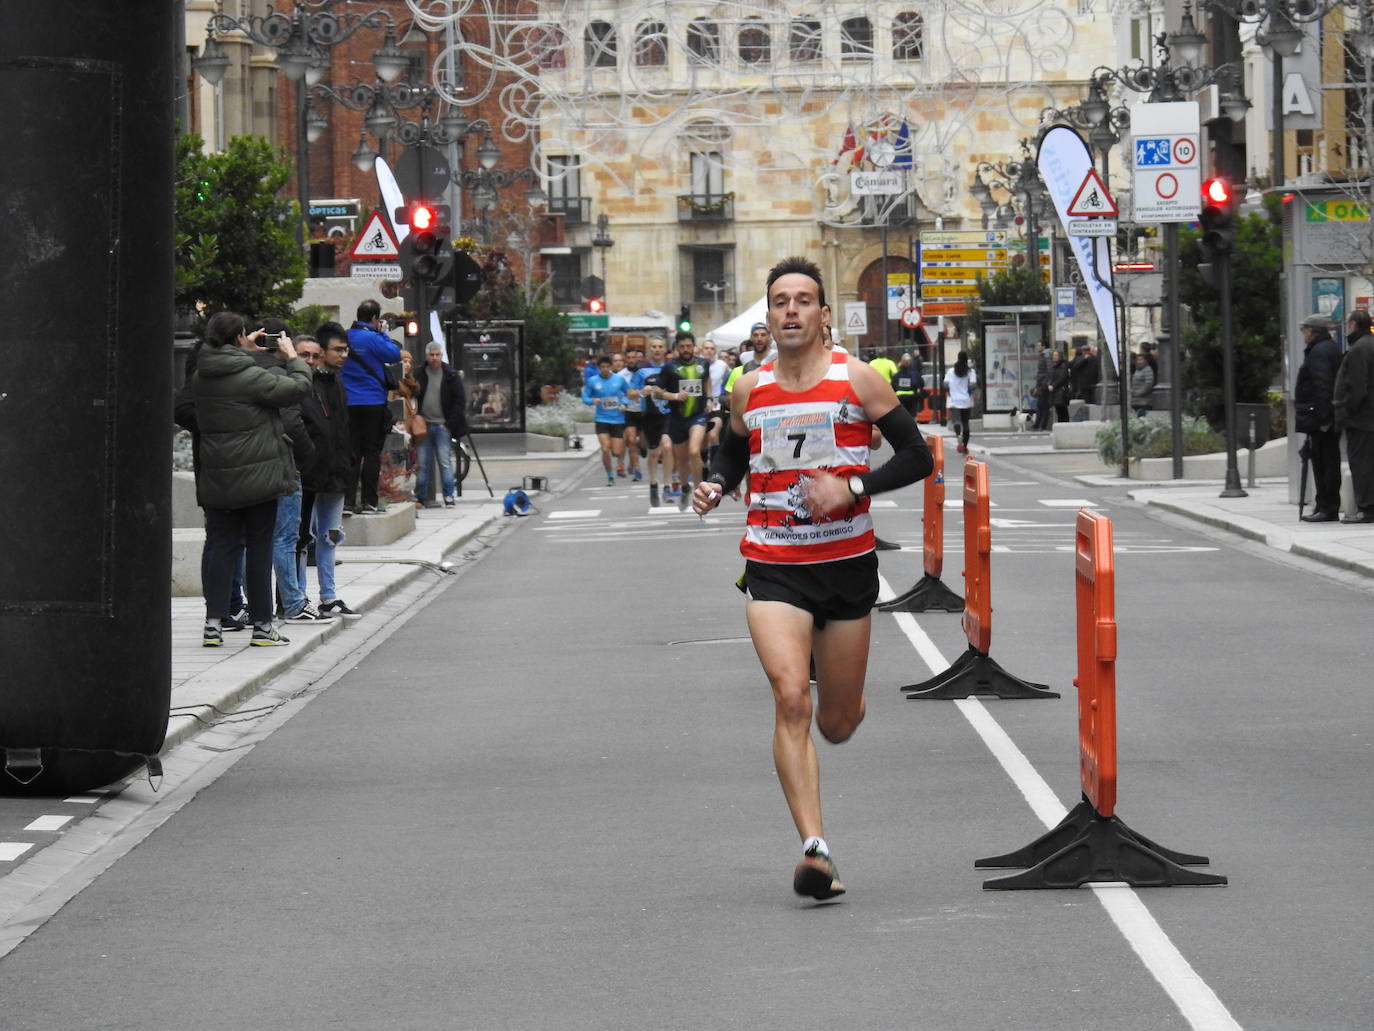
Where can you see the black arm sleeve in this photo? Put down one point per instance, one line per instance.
(732, 459)
(911, 459)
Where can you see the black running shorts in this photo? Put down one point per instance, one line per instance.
(615, 429)
(844, 589)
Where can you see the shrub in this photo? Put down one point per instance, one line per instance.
(1153, 438)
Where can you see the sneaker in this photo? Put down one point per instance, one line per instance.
(240, 617)
(671, 492)
(211, 637)
(234, 623)
(432, 503)
(268, 638)
(683, 496)
(620, 471)
(450, 501)
(816, 877)
(653, 495)
(337, 608)
(372, 510)
(961, 449)
(637, 475)
(610, 480)
(310, 614)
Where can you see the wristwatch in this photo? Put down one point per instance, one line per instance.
(856, 486)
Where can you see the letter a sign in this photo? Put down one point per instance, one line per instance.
(1092, 199)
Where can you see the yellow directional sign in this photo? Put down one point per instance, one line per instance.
(933, 290)
(966, 254)
(966, 272)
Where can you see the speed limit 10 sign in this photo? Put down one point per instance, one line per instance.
(911, 318)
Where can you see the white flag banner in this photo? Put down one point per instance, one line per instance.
(1065, 163)
(392, 198)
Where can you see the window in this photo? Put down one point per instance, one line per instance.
(710, 281)
(708, 176)
(549, 47)
(565, 187)
(755, 43)
(651, 45)
(908, 37)
(565, 273)
(599, 45)
(804, 41)
(703, 41)
(856, 39)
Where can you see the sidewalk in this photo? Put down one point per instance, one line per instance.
(208, 681)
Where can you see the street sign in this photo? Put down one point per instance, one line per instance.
(1167, 181)
(855, 318)
(375, 270)
(1092, 227)
(1064, 302)
(948, 290)
(934, 309)
(423, 173)
(1092, 198)
(376, 240)
(911, 318)
(581, 320)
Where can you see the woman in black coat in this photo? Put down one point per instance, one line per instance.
(1061, 387)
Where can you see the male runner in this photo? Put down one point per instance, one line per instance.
(651, 419)
(686, 385)
(606, 393)
(800, 428)
(632, 406)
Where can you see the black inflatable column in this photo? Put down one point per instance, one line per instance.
(85, 389)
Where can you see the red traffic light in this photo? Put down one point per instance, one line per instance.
(596, 304)
(421, 216)
(1217, 191)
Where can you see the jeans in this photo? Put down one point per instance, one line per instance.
(286, 533)
(227, 530)
(437, 443)
(327, 526)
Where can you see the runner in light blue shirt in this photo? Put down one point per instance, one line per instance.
(607, 393)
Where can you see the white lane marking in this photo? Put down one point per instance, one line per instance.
(1190, 993)
(576, 513)
(48, 823)
(882, 503)
(85, 799)
(11, 850)
(1068, 503)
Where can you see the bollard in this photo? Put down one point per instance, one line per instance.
(930, 593)
(975, 672)
(1091, 843)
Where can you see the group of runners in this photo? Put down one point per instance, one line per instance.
(795, 431)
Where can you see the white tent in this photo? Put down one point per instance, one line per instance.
(735, 332)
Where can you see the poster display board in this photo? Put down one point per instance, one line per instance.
(1002, 368)
(490, 363)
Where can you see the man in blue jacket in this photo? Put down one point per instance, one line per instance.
(369, 417)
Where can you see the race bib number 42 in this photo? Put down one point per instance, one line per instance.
(691, 387)
(805, 440)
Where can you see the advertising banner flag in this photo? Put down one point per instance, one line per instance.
(1064, 162)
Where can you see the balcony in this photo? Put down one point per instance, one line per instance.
(576, 211)
(699, 207)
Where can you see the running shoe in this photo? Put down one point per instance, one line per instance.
(610, 480)
(816, 876)
(638, 475)
(268, 638)
(653, 495)
(683, 496)
(620, 470)
(450, 501)
(211, 637)
(961, 449)
(310, 614)
(338, 608)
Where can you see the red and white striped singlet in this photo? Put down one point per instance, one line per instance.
(791, 435)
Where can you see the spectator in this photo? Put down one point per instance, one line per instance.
(1084, 372)
(1042, 386)
(245, 465)
(1354, 405)
(327, 479)
(1314, 414)
(1060, 386)
(294, 607)
(1142, 385)
(369, 418)
(442, 403)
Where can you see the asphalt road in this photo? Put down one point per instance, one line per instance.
(546, 800)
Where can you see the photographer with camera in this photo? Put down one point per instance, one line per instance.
(366, 379)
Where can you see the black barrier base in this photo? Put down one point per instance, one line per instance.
(929, 595)
(882, 545)
(975, 673)
(1086, 847)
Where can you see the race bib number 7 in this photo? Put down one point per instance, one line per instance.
(805, 440)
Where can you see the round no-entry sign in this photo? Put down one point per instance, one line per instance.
(911, 318)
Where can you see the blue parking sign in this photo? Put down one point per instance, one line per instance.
(1153, 151)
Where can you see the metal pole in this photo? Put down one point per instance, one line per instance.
(1276, 171)
(1175, 365)
(883, 293)
(1228, 376)
(302, 165)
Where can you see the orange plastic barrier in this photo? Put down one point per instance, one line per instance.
(1092, 843)
(1095, 597)
(975, 672)
(930, 593)
(977, 619)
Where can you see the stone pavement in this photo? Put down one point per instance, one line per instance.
(207, 681)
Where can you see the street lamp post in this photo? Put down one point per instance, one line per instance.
(602, 242)
(302, 39)
(717, 288)
(1018, 179)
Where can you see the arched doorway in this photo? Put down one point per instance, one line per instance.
(873, 292)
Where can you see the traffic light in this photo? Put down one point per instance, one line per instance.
(425, 253)
(596, 305)
(1219, 202)
(684, 319)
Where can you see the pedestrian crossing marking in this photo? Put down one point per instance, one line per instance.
(576, 513)
(1068, 503)
(48, 823)
(12, 850)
